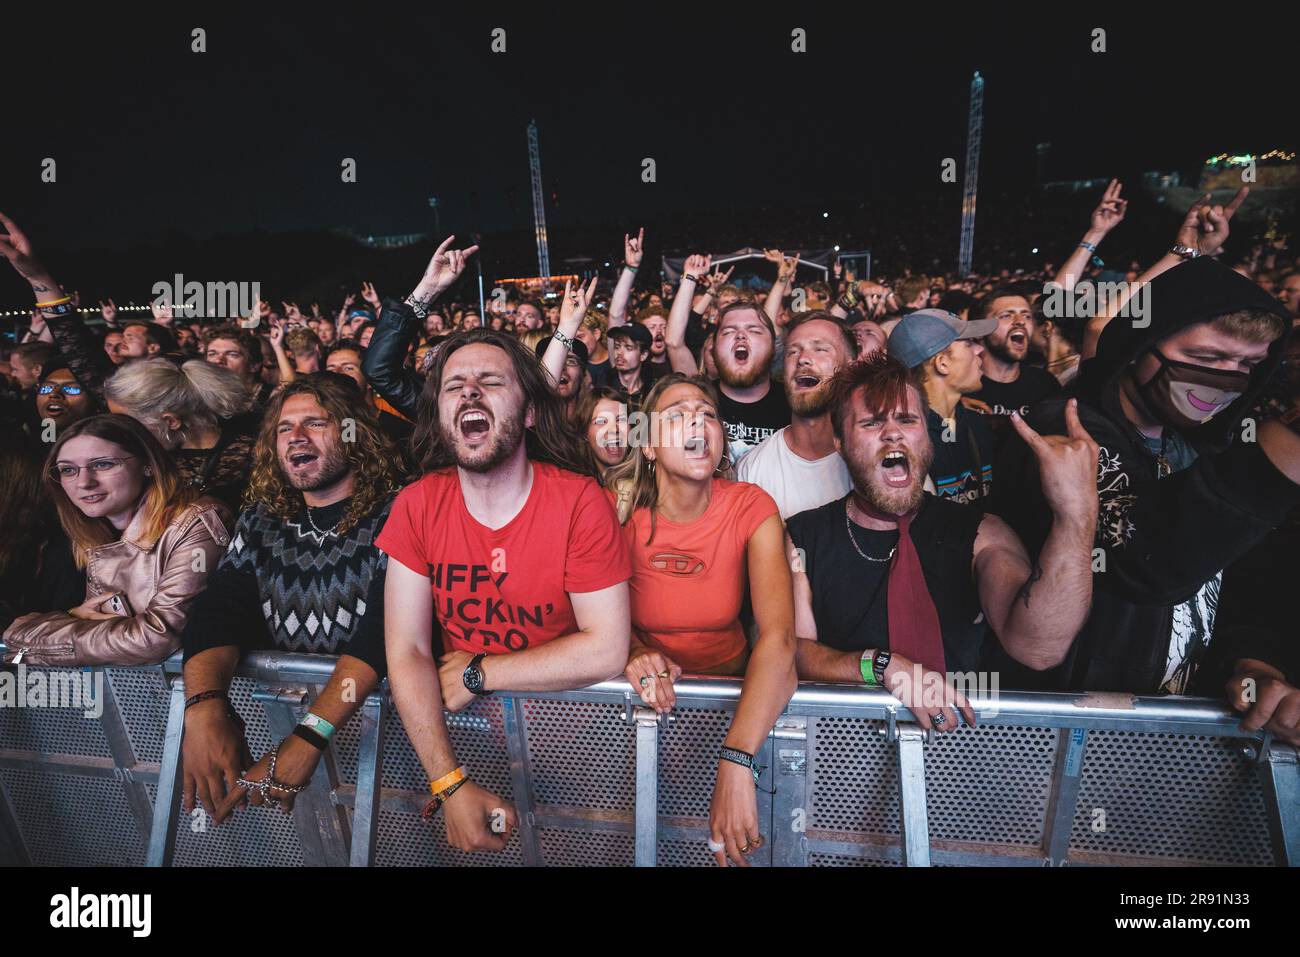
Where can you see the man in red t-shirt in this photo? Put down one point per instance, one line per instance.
(514, 548)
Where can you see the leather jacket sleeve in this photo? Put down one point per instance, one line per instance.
(152, 633)
(385, 362)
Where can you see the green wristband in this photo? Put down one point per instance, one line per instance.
(315, 722)
(866, 667)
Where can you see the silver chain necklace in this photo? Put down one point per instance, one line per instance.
(318, 531)
(848, 525)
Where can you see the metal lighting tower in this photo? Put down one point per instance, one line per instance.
(973, 133)
(539, 208)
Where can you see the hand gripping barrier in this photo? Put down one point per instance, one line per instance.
(597, 779)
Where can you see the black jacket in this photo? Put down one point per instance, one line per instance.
(1158, 541)
(385, 363)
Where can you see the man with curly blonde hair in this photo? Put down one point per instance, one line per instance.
(302, 574)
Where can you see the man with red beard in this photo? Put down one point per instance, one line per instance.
(513, 547)
(743, 346)
(1009, 384)
(799, 465)
(894, 587)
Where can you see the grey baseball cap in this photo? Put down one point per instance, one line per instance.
(927, 332)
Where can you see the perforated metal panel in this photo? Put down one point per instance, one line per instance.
(989, 784)
(568, 848)
(847, 860)
(580, 754)
(852, 777)
(685, 853)
(51, 730)
(688, 761)
(72, 820)
(141, 696)
(1174, 797)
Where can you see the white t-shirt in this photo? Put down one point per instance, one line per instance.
(796, 483)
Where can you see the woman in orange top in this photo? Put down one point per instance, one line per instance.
(695, 540)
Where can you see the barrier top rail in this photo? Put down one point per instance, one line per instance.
(1091, 710)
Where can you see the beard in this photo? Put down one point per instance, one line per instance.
(333, 466)
(1002, 349)
(868, 483)
(509, 433)
(752, 374)
(809, 405)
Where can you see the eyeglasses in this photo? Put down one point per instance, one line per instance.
(67, 472)
(46, 388)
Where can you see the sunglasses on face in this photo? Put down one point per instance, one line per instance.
(46, 388)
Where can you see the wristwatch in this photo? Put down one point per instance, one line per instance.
(1184, 252)
(473, 677)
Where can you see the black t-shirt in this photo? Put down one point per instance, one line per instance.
(850, 594)
(601, 374)
(962, 469)
(650, 373)
(749, 423)
(1032, 386)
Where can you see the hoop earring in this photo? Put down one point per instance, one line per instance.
(650, 464)
(724, 466)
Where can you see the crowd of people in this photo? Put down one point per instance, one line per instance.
(888, 483)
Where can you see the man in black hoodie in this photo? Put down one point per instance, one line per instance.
(1186, 482)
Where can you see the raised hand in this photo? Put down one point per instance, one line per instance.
(277, 335)
(348, 300)
(1110, 211)
(17, 248)
(717, 279)
(696, 266)
(315, 310)
(634, 248)
(575, 302)
(787, 269)
(1205, 227)
(162, 311)
(369, 295)
(292, 312)
(1067, 465)
(445, 267)
(774, 256)
(109, 311)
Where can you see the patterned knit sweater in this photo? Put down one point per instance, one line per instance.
(298, 586)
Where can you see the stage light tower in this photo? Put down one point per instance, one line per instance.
(973, 134)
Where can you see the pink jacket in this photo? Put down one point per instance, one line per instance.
(160, 579)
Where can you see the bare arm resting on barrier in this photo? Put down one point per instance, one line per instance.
(820, 662)
(413, 677)
(770, 680)
(596, 651)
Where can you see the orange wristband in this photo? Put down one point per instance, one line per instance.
(54, 302)
(447, 780)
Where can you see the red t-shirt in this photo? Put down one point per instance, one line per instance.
(507, 590)
(688, 583)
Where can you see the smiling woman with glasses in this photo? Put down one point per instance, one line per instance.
(144, 538)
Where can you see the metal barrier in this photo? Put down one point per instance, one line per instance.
(599, 780)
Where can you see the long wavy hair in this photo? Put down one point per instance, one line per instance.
(166, 494)
(636, 469)
(376, 462)
(552, 438)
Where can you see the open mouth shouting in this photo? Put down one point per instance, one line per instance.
(474, 425)
(805, 381)
(1018, 338)
(897, 469)
(54, 408)
(740, 353)
(696, 447)
(302, 460)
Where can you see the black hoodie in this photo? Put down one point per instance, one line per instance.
(1160, 543)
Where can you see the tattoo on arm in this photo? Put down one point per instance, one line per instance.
(1036, 574)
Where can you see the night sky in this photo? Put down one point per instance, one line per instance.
(153, 140)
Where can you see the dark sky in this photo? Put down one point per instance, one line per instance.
(151, 139)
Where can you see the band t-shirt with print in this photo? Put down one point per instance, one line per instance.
(503, 590)
(749, 423)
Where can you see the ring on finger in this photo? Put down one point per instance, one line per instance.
(940, 719)
(645, 680)
(716, 846)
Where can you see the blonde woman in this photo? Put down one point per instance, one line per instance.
(144, 538)
(696, 540)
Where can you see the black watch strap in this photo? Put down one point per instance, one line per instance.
(475, 685)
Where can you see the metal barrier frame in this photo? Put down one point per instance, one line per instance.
(330, 836)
